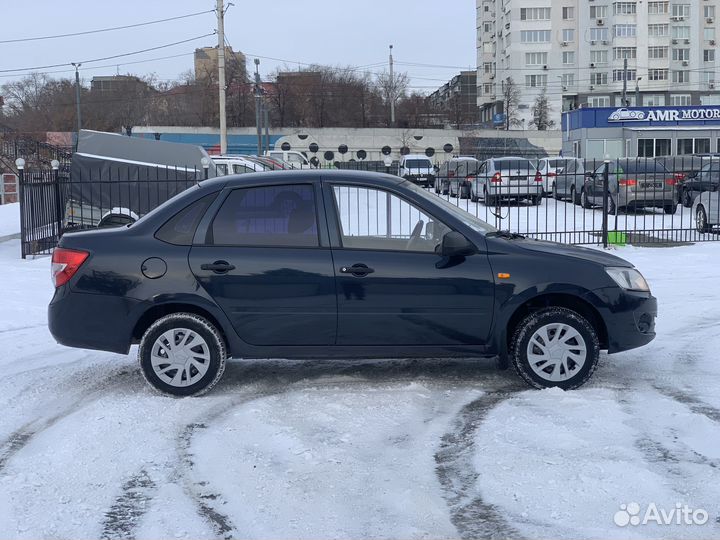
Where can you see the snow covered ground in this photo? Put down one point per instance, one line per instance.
(9, 219)
(374, 449)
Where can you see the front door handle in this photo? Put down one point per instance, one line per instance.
(357, 270)
(219, 267)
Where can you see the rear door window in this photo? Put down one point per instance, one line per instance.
(267, 216)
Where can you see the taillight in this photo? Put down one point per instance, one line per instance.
(538, 177)
(497, 178)
(679, 177)
(65, 262)
(470, 177)
(628, 182)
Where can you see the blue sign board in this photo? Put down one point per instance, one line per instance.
(499, 119)
(606, 117)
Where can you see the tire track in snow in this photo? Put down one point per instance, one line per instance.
(472, 516)
(130, 506)
(696, 405)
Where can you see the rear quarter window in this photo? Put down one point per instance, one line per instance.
(180, 229)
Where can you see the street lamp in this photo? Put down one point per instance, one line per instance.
(205, 162)
(55, 164)
(77, 96)
(20, 164)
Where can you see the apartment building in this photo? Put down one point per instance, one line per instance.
(575, 50)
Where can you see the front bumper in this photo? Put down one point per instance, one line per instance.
(629, 317)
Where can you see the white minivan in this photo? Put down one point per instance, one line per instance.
(418, 169)
(295, 159)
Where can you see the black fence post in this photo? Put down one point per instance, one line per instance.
(606, 173)
(58, 199)
(20, 164)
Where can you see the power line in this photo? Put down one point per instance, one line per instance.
(35, 68)
(99, 30)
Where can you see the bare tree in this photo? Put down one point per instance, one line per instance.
(541, 112)
(511, 102)
(392, 88)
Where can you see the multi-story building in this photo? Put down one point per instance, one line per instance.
(206, 63)
(457, 99)
(575, 50)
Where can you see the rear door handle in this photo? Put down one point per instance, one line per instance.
(357, 270)
(219, 267)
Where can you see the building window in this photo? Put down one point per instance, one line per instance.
(568, 79)
(708, 77)
(681, 32)
(658, 8)
(624, 8)
(534, 81)
(654, 147)
(535, 14)
(568, 13)
(709, 33)
(568, 34)
(680, 100)
(598, 79)
(681, 10)
(681, 54)
(535, 36)
(599, 57)
(709, 55)
(682, 76)
(702, 146)
(488, 26)
(568, 58)
(598, 12)
(658, 74)
(619, 75)
(536, 59)
(658, 30)
(488, 67)
(488, 89)
(620, 53)
(599, 101)
(599, 34)
(654, 100)
(684, 147)
(625, 30)
(709, 12)
(657, 52)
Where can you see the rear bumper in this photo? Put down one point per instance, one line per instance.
(421, 179)
(515, 191)
(629, 317)
(91, 321)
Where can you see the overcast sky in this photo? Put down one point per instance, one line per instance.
(328, 32)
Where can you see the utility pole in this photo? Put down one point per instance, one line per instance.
(637, 91)
(221, 75)
(392, 91)
(625, 76)
(77, 99)
(258, 107)
(266, 121)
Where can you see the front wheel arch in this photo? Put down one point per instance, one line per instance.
(568, 301)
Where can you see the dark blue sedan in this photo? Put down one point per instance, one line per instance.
(338, 264)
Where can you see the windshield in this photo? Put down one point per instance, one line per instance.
(418, 164)
(466, 218)
(514, 165)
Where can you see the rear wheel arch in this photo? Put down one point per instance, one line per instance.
(156, 312)
(563, 300)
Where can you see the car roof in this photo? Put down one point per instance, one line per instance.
(510, 157)
(416, 156)
(298, 176)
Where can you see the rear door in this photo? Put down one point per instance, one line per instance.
(267, 263)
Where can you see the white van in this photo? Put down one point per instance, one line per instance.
(418, 169)
(225, 165)
(295, 159)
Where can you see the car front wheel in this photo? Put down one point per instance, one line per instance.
(182, 354)
(701, 222)
(555, 347)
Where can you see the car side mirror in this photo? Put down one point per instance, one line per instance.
(589, 174)
(455, 244)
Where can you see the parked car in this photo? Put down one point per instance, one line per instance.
(685, 169)
(707, 179)
(632, 184)
(269, 163)
(283, 266)
(568, 183)
(452, 169)
(297, 160)
(706, 210)
(550, 168)
(225, 165)
(418, 169)
(465, 172)
(507, 178)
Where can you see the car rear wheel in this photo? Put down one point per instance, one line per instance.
(555, 347)
(669, 208)
(574, 196)
(584, 201)
(536, 200)
(556, 195)
(182, 354)
(701, 222)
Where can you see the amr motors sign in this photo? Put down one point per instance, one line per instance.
(664, 115)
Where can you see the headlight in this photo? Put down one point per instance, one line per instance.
(628, 278)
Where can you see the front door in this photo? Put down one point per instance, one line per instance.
(264, 265)
(393, 289)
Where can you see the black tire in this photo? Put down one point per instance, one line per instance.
(548, 316)
(670, 208)
(184, 321)
(488, 200)
(701, 222)
(556, 195)
(574, 196)
(536, 201)
(584, 202)
(473, 197)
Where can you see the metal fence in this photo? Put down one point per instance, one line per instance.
(637, 201)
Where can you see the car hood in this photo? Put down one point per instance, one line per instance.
(587, 254)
